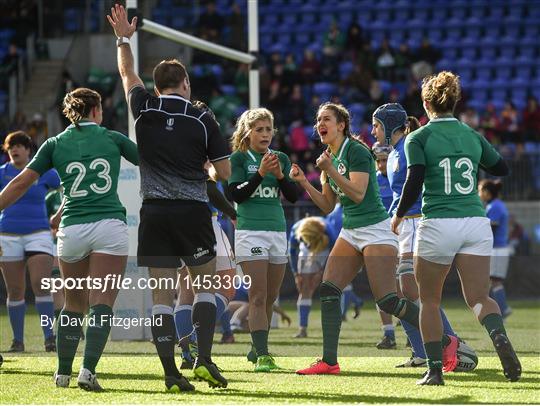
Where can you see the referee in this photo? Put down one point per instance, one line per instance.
(174, 140)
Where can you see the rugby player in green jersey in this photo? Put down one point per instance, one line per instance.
(258, 176)
(93, 234)
(349, 173)
(444, 157)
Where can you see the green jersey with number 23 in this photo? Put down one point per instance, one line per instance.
(88, 162)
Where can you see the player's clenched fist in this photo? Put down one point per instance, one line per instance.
(324, 162)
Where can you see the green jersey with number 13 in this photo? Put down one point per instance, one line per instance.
(88, 162)
(451, 152)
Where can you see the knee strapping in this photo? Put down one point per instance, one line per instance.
(330, 292)
(405, 266)
(391, 304)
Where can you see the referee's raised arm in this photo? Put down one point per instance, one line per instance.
(123, 30)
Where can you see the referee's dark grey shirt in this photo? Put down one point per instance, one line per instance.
(174, 140)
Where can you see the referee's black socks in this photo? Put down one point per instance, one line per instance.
(204, 320)
(164, 337)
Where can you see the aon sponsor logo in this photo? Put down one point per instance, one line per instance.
(267, 192)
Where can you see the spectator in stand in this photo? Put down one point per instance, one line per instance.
(412, 103)
(334, 42)
(531, 120)
(376, 94)
(489, 124)
(67, 85)
(386, 63)
(237, 23)
(368, 59)
(311, 110)
(241, 81)
(295, 107)
(517, 237)
(357, 84)
(298, 140)
(355, 40)
(403, 59)
(310, 67)
(313, 176)
(509, 125)
(290, 74)
(365, 136)
(11, 60)
(211, 23)
(109, 113)
(428, 53)
(470, 117)
(18, 122)
(38, 131)
(426, 58)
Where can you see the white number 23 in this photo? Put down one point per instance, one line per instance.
(79, 167)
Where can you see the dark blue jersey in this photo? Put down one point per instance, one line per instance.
(498, 215)
(29, 213)
(397, 173)
(385, 190)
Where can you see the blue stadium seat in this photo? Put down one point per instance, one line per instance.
(289, 19)
(496, 10)
(532, 27)
(458, 9)
(512, 27)
(270, 19)
(478, 104)
(516, 11)
(534, 9)
(478, 10)
(228, 90)
(324, 88)
(345, 68)
(499, 93)
(528, 47)
(492, 28)
(357, 110)
(473, 28)
(453, 29)
(308, 18)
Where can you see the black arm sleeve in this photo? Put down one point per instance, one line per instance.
(499, 169)
(241, 191)
(411, 188)
(218, 200)
(289, 190)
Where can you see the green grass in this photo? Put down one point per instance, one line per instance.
(131, 373)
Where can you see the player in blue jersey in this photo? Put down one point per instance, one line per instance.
(496, 211)
(26, 242)
(381, 151)
(391, 125)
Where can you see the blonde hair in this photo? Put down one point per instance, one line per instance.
(244, 125)
(441, 91)
(78, 104)
(312, 232)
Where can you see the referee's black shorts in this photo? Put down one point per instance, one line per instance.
(172, 231)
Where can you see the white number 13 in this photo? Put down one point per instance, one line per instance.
(467, 174)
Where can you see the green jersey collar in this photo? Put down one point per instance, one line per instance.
(342, 147)
(82, 124)
(436, 120)
(252, 153)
